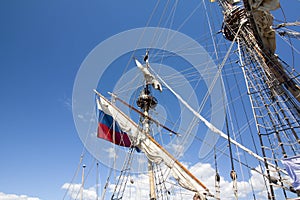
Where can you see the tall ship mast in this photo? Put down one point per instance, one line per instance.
(141, 139)
(273, 90)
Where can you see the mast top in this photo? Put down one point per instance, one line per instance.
(146, 101)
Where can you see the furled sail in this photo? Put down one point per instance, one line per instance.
(264, 21)
(150, 79)
(265, 5)
(153, 150)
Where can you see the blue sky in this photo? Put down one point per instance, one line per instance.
(42, 45)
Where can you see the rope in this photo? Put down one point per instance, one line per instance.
(210, 30)
(237, 121)
(272, 115)
(232, 173)
(75, 173)
(106, 184)
(124, 176)
(289, 39)
(160, 182)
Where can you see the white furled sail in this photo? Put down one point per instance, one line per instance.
(153, 150)
(150, 79)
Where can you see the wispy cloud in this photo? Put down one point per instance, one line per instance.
(68, 103)
(4, 196)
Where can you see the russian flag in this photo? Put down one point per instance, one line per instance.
(108, 129)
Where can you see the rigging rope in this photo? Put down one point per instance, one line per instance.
(236, 118)
(123, 177)
(160, 182)
(75, 174)
(210, 30)
(273, 109)
(245, 113)
(289, 39)
(233, 174)
(83, 152)
(208, 124)
(106, 184)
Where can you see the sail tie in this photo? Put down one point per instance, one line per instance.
(233, 177)
(217, 177)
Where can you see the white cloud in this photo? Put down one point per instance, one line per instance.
(4, 196)
(74, 191)
(138, 186)
(205, 173)
(68, 103)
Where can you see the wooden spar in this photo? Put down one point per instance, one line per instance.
(141, 113)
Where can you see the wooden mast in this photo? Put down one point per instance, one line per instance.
(146, 102)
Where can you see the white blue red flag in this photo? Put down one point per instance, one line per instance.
(108, 129)
(292, 166)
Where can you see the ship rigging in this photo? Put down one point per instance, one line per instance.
(259, 145)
